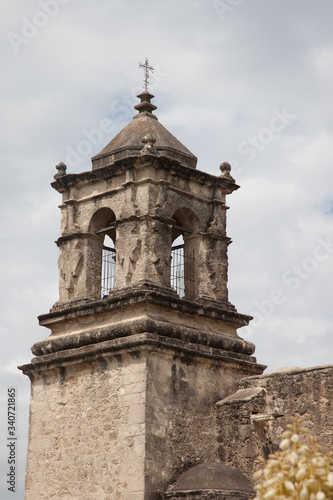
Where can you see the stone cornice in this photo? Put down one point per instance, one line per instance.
(147, 293)
(144, 324)
(139, 343)
(120, 166)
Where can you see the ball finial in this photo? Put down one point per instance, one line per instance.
(61, 167)
(225, 168)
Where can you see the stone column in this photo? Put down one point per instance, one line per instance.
(213, 267)
(143, 252)
(79, 263)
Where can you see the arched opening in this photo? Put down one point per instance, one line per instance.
(177, 276)
(108, 273)
(183, 254)
(103, 252)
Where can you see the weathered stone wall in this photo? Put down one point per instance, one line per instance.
(124, 418)
(87, 431)
(251, 421)
(181, 393)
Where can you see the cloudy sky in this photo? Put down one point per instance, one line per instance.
(244, 81)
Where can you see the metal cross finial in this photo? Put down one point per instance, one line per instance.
(146, 68)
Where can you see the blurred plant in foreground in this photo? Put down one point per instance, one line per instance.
(298, 471)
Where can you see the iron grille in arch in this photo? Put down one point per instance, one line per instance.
(182, 271)
(108, 279)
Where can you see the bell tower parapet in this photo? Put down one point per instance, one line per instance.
(143, 204)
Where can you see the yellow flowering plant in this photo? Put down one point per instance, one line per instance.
(297, 471)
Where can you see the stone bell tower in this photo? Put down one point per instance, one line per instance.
(143, 339)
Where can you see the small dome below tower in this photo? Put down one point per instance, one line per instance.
(131, 140)
(211, 480)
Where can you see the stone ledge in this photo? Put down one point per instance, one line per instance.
(138, 343)
(148, 293)
(282, 375)
(242, 396)
(144, 324)
(120, 166)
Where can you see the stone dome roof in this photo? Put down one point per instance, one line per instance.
(221, 479)
(146, 129)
